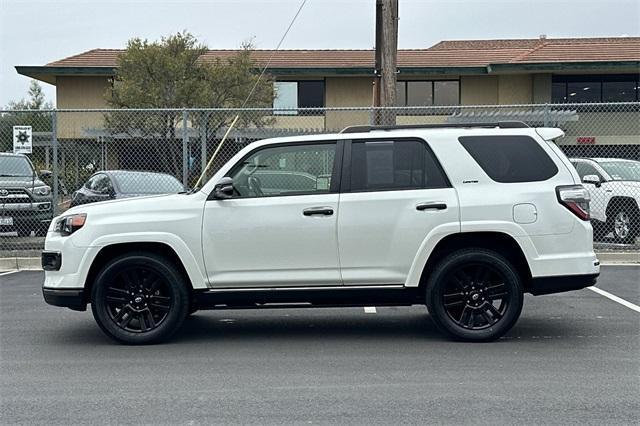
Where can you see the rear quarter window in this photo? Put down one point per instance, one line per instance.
(510, 159)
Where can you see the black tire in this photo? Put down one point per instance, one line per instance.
(23, 232)
(624, 223)
(139, 298)
(474, 295)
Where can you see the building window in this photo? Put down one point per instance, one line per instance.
(291, 95)
(619, 91)
(427, 93)
(446, 92)
(594, 88)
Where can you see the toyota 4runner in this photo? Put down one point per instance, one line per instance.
(26, 203)
(464, 219)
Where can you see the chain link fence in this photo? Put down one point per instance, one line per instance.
(84, 156)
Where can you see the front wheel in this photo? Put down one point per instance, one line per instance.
(139, 298)
(474, 295)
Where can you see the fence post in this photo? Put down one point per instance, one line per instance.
(546, 115)
(185, 149)
(54, 145)
(203, 142)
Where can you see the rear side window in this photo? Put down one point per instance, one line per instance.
(509, 159)
(394, 165)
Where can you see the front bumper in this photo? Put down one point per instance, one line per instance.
(71, 298)
(27, 214)
(561, 283)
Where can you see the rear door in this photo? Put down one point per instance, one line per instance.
(393, 194)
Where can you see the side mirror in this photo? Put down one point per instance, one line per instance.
(45, 174)
(592, 179)
(223, 189)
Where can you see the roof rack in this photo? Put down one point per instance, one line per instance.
(499, 124)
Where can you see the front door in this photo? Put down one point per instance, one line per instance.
(280, 227)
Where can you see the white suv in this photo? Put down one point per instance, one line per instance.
(614, 185)
(464, 219)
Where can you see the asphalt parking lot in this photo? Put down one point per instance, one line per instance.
(573, 358)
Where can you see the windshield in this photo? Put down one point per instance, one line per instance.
(622, 170)
(11, 166)
(147, 183)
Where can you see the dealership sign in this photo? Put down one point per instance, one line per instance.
(586, 140)
(22, 140)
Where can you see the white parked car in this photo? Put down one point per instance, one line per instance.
(614, 185)
(464, 219)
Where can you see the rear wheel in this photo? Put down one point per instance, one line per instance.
(625, 223)
(474, 295)
(139, 298)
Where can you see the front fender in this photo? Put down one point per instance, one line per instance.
(194, 269)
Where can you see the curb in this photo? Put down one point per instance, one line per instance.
(33, 263)
(613, 258)
(20, 263)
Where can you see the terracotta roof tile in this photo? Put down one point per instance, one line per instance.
(450, 53)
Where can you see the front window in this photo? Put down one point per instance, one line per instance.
(11, 166)
(427, 93)
(595, 88)
(622, 170)
(147, 183)
(291, 95)
(285, 170)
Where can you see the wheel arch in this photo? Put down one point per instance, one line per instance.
(619, 200)
(111, 251)
(499, 242)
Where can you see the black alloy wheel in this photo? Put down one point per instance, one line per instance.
(140, 298)
(474, 295)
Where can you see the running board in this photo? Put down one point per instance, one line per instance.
(307, 297)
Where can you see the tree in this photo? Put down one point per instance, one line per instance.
(175, 73)
(36, 99)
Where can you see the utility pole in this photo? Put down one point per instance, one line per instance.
(386, 59)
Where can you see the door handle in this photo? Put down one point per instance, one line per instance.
(432, 205)
(326, 211)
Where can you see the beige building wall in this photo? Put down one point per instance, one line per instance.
(347, 92)
(479, 90)
(514, 89)
(78, 93)
(541, 88)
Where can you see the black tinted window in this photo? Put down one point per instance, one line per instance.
(388, 165)
(510, 158)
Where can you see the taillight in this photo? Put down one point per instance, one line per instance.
(576, 198)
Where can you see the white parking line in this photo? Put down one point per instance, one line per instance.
(370, 310)
(7, 273)
(615, 298)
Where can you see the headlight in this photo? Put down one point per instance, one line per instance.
(42, 190)
(67, 225)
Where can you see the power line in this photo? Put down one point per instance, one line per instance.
(274, 53)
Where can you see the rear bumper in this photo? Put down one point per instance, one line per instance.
(561, 283)
(71, 298)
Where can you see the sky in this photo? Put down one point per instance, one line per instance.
(35, 32)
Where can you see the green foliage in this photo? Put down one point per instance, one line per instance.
(176, 73)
